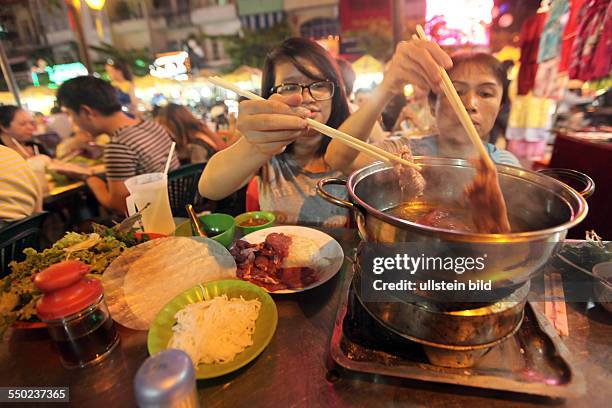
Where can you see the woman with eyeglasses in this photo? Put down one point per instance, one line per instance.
(300, 80)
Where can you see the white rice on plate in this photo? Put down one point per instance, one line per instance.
(215, 331)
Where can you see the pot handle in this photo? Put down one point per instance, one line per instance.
(331, 198)
(569, 174)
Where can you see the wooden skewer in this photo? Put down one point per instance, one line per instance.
(348, 140)
(455, 101)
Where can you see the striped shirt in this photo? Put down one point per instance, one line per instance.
(20, 195)
(138, 149)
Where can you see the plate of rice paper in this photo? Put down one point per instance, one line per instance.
(222, 325)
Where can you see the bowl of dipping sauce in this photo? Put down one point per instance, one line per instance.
(254, 221)
(218, 227)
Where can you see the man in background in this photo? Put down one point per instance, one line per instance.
(136, 147)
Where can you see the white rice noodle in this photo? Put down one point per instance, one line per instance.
(215, 331)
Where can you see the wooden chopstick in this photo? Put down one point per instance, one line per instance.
(348, 140)
(451, 93)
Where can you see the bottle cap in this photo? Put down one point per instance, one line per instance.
(165, 379)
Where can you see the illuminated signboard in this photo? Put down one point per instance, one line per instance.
(459, 21)
(173, 65)
(59, 74)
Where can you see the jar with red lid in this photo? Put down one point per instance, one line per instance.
(76, 315)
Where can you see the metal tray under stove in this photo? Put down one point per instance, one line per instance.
(535, 361)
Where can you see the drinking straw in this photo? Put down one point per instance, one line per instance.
(20, 147)
(169, 158)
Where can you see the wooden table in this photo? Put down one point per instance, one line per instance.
(291, 372)
(58, 192)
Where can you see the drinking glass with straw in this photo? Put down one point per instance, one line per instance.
(151, 190)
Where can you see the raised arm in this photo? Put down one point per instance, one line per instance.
(414, 62)
(267, 127)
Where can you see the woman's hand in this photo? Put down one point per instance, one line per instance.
(416, 62)
(272, 124)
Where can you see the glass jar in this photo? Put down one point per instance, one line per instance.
(76, 315)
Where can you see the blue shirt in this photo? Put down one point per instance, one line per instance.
(428, 146)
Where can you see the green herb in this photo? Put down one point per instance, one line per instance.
(18, 295)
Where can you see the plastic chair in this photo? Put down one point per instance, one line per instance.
(17, 236)
(183, 187)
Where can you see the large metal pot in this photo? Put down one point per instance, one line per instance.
(541, 209)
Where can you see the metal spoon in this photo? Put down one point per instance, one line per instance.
(195, 222)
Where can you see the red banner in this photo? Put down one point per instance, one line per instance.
(359, 14)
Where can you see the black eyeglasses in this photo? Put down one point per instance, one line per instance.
(320, 91)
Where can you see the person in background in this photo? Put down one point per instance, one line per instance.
(416, 116)
(362, 95)
(21, 193)
(135, 147)
(348, 77)
(220, 116)
(122, 80)
(195, 142)
(41, 124)
(59, 122)
(17, 129)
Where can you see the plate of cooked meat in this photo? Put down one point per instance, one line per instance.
(287, 259)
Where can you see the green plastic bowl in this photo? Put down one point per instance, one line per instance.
(258, 215)
(219, 227)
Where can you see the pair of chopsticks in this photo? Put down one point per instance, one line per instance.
(451, 94)
(335, 134)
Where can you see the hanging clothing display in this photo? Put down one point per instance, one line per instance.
(592, 48)
(569, 33)
(529, 43)
(551, 38)
(548, 82)
(528, 126)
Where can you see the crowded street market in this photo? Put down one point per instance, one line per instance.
(291, 203)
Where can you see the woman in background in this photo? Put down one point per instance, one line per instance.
(17, 127)
(122, 80)
(21, 193)
(195, 142)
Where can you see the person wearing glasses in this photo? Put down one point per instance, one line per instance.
(287, 158)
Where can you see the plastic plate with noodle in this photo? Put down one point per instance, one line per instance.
(161, 330)
(214, 331)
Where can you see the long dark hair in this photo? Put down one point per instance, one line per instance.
(182, 126)
(7, 114)
(292, 49)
